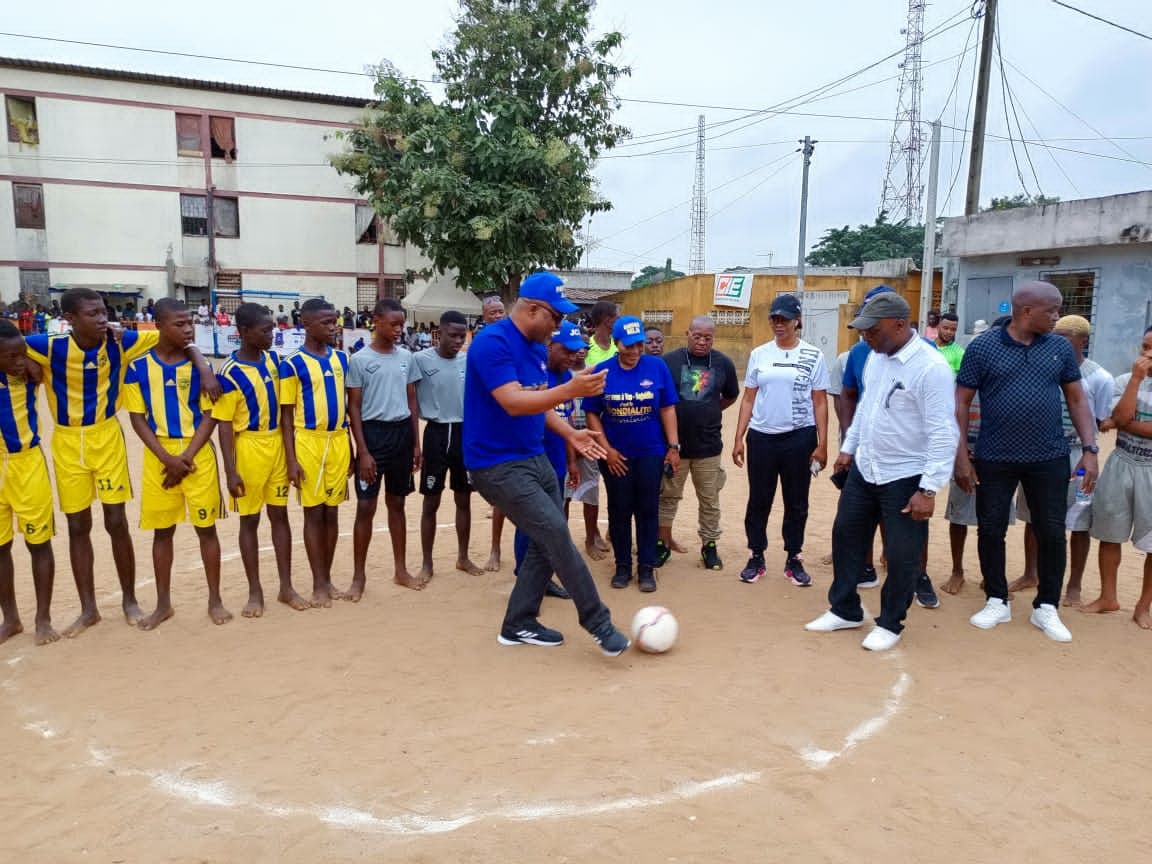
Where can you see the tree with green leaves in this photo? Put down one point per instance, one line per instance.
(494, 180)
(652, 275)
(1021, 199)
(851, 247)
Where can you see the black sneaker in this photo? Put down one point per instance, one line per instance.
(795, 572)
(646, 579)
(663, 553)
(623, 576)
(753, 570)
(710, 556)
(925, 593)
(611, 641)
(868, 579)
(534, 634)
(555, 589)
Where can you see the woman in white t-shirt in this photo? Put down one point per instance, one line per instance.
(784, 414)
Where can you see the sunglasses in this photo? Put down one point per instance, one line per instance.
(556, 316)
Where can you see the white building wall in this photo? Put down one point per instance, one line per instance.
(119, 148)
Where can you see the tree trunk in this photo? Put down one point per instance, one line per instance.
(511, 290)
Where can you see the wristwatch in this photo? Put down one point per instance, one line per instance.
(1091, 448)
(675, 447)
(927, 493)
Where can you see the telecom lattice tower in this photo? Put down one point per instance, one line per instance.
(903, 187)
(699, 205)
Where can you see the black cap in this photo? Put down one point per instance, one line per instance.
(786, 306)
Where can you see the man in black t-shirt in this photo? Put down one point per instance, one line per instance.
(707, 384)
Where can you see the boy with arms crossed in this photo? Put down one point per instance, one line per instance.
(25, 490)
(170, 415)
(256, 473)
(83, 378)
(314, 424)
(383, 415)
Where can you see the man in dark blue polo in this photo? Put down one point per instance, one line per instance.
(507, 406)
(1020, 370)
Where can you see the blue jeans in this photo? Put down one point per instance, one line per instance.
(1045, 489)
(635, 496)
(527, 491)
(863, 506)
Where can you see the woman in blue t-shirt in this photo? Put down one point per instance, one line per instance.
(637, 416)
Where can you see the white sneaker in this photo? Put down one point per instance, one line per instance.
(880, 639)
(1048, 619)
(830, 621)
(994, 612)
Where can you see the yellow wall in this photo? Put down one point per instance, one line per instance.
(690, 296)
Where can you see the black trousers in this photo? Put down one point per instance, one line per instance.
(1045, 489)
(785, 458)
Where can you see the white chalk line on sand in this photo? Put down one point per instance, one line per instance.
(819, 759)
(215, 793)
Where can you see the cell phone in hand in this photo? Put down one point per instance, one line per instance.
(669, 471)
(839, 478)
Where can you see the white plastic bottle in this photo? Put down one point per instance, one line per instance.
(1083, 502)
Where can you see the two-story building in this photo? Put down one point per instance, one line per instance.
(141, 185)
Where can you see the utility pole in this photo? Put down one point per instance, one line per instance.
(928, 263)
(807, 148)
(979, 119)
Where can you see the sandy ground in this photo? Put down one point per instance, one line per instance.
(398, 730)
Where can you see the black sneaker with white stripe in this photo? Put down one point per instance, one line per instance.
(534, 634)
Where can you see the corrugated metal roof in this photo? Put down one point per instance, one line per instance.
(175, 81)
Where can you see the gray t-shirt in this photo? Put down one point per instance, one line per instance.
(384, 379)
(439, 385)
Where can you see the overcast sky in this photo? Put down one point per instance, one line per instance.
(742, 54)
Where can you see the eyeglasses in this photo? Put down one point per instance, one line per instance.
(556, 316)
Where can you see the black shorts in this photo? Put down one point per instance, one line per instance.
(391, 445)
(443, 450)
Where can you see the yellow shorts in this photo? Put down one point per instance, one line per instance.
(260, 463)
(90, 462)
(26, 493)
(197, 499)
(324, 457)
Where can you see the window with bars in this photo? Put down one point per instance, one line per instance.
(395, 288)
(228, 299)
(730, 317)
(366, 293)
(656, 316)
(34, 285)
(1077, 288)
(28, 201)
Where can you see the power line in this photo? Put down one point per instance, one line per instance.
(1104, 20)
(1011, 100)
(1051, 155)
(1007, 121)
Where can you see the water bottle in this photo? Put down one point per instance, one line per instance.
(1078, 513)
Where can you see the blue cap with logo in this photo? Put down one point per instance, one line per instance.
(570, 337)
(628, 330)
(546, 288)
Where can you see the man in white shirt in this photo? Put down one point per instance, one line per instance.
(898, 452)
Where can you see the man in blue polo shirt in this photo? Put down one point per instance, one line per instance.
(507, 406)
(1020, 370)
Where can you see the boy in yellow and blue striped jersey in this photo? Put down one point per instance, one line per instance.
(84, 379)
(314, 422)
(180, 480)
(25, 490)
(255, 471)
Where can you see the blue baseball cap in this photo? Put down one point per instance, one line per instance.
(546, 287)
(879, 289)
(628, 330)
(570, 337)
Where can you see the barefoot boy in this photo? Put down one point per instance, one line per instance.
(385, 424)
(1122, 504)
(439, 382)
(83, 379)
(170, 414)
(256, 474)
(25, 490)
(314, 423)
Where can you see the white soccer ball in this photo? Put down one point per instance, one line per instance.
(654, 629)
